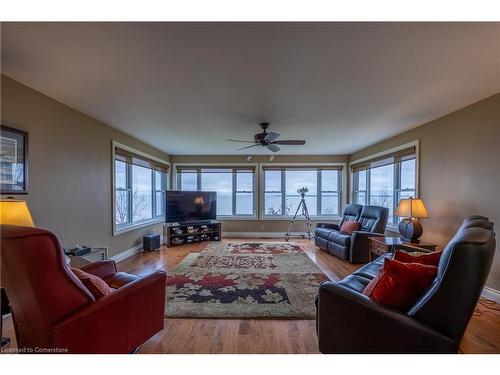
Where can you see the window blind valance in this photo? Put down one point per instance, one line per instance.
(214, 169)
(139, 160)
(302, 168)
(392, 158)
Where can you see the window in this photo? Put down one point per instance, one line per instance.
(139, 190)
(142, 195)
(282, 199)
(386, 180)
(234, 187)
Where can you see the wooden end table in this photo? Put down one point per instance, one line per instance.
(381, 245)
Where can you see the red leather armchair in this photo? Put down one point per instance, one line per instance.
(53, 311)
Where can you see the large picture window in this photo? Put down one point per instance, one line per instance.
(384, 181)
(139, 190)
(282, 199)
(234, 186)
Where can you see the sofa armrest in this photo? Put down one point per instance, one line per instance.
(102, 268)
(328, 225)
(360, 246)
(118, 322)
(350, 322)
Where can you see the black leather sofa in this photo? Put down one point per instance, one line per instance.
(354, 247)
(350, 322)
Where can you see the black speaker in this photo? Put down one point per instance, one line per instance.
(151, 242)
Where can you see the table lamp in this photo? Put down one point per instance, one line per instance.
(411, 209)
(199, 200)
(15, 212)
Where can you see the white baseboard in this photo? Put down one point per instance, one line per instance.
(128, 253)
(260, 234)
(491, 294)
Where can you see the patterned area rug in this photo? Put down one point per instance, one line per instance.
(244, 280)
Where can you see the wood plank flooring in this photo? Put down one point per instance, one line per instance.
(269, 336)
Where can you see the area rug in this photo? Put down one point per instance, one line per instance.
(244, 280)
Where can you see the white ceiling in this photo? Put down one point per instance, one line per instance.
(186, 87)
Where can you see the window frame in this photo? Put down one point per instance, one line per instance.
(163, 189)
(234, 166)
(341, 184)
(130, 225)
(397, 174)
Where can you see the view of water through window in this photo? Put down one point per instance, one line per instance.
(323, 199)
(235, 194)
(386, 185)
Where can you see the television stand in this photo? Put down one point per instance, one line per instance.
(182, 234)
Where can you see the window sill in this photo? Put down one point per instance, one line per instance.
(392, 229)
(313, 218)
(229, 218)
(132, 227)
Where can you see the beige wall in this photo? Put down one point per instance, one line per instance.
(70, 168)
(459, 169)
(269, 226)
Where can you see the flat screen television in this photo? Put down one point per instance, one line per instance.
(190, 206)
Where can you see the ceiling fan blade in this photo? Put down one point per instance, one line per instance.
(244, 148)
(237, 140)
(271, 137)
(290, 142)
(273, 148)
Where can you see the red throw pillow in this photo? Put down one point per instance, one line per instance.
(95, 284)
(400, 284)
(350, 226)
(430, 259)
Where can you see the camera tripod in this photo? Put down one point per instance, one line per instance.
(304, 212)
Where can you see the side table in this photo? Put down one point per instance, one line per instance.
(382, 245)
(95, 255)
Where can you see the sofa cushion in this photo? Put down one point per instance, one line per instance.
(321, 243)
(367, 224)
(355, 282)
(323, 232)
(430, 259)
(374, 218)
(340, 238)
(477, 222)
(120, 279)
(94, 284)
(340, 251)
(372, 269)
(400, 284)
(350, 226)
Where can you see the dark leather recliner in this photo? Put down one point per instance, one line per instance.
(53, 311)
(350, 322)
(353, 248)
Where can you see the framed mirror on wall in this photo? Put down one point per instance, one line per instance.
(13, 161)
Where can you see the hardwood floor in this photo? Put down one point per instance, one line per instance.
(269, 336)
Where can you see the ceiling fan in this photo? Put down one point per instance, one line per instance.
(269, 140)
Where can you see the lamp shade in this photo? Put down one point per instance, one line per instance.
(199, 200)
(15, 212)
(411, 207)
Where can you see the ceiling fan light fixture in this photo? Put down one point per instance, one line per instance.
(268, 140)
